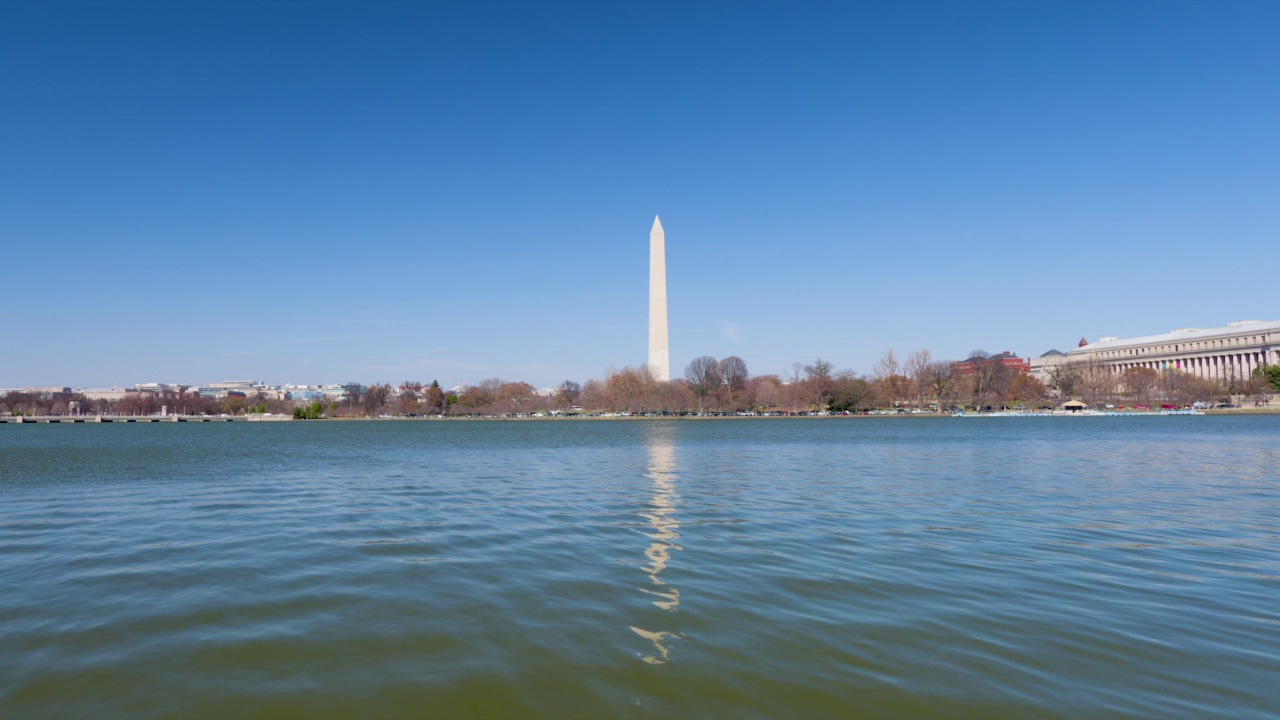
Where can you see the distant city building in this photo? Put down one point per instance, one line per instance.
(1041, 368)
(306, 393)
(159, 387)
(46, 390)
(334, 393)
(1233, 350)
(1006, 358)
(240, 385)
(240, 388)
(111, 394)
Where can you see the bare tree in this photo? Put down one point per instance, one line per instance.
(1258, 388)
(703, 374)
(481, 395)
(488, 389)
(766, 392)
(1141, 383)
(1097, 382)
(593, 395)
(410, 390)
(1233, 379)
(989, 377)
(569, 391)
(434, 398)
(733, 373)
(632, 389)
(374, 398)
(797, 373)
(894, 389)
(916, 368)
(851, 393)
(514, 395)
(1064, 378)
(819, 370)
(1024, 388)
(1185, 388)
(887, 366)
(351, 394)
(819, 382)
(937, 381)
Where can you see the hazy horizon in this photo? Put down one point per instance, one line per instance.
(384, 192)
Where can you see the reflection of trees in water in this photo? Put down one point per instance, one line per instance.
(663, 524)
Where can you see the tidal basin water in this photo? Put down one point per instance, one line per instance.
(914, 568)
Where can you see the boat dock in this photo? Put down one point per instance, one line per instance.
(1084, 413)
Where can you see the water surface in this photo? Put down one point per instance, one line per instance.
(915, 568)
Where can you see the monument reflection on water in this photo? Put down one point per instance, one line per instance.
(663, 525)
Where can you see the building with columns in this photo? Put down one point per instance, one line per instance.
(1214, 354)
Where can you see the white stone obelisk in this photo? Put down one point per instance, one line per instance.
(659, 361)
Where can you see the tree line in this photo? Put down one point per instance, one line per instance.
(135, 403)
(917, 382)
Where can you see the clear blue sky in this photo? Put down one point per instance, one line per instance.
(311, 193)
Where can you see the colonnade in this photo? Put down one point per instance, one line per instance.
(1211, 367)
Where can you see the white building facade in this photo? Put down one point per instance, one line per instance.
(1233, 351)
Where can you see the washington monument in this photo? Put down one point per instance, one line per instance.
(659, 362)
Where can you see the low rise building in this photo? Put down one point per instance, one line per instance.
(1006, 359)
(160, 388)
(240, 388)
(1041, 368)
(306, 393)
(111, 394)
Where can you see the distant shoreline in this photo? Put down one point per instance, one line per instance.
(890, 416)
(94, 420)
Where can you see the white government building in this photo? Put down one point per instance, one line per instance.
(1214, 353)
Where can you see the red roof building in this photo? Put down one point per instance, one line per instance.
(1006, 358)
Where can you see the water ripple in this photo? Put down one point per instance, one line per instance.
(766, 569)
